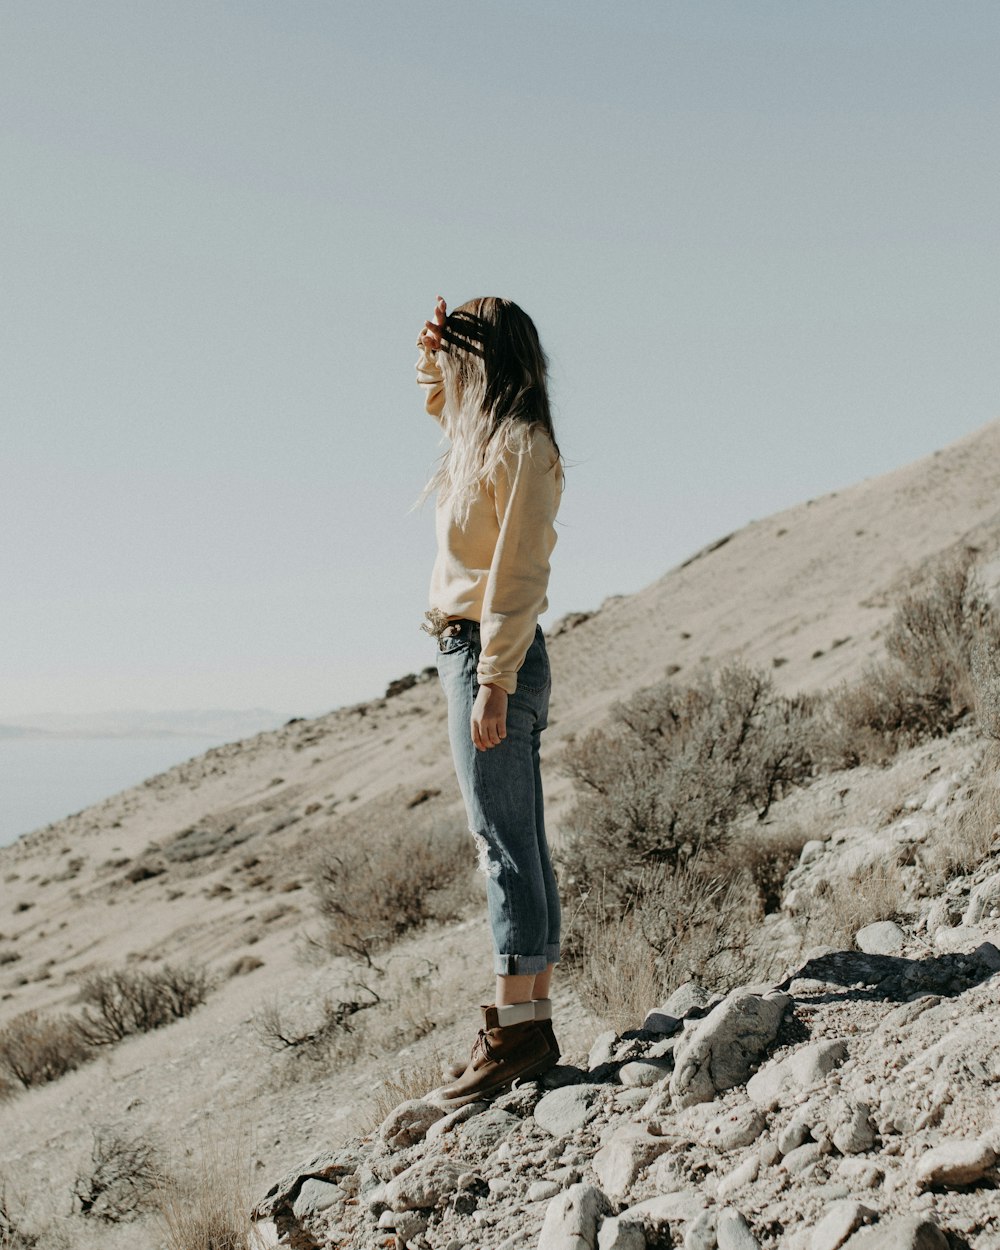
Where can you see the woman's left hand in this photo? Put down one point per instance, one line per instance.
(489, 717)
(430, 335)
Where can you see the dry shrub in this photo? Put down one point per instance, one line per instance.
(35, 1049)
(323, 1040)
(210, 1210)
(390, 871)
(14, 1233)
(676, 766)
(414, 1079)
(942, 648)
(120, 1179)
(692, 922)
(965, 843)
(124, 1001)
(870, 894)
(768, 853)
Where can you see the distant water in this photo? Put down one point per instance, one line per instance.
(44, 779)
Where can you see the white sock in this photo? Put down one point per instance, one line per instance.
(515, 1013)
(543, 1008)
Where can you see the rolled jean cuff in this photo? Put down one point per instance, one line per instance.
(525, 965)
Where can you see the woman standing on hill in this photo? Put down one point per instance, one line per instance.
(483, 372)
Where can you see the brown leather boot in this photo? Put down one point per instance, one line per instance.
(500, 1055)
(452, 1071)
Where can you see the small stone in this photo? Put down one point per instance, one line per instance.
(780, 1080)
(955, 1163)
(614, 1235)
(602, 1049)
(733, 1232)
(665, 1209)
(565, 1111)
(855, 1132)
(989, 955)
(801, 1157)
(735, 1180)
(641, 1073)
(408, 1123)
(885, 937)
(912, 1232)
(812, 851)
(315, 1196)
(660, 1021)
(571, 1219)
(453, 1118)
(796, 1131)
(689, 996)
(427, 1183)
(541, 1191)
(623, 1156)
(842, 1218)
(736, 1128)
(700, 1233)
(484, 1132)
(631, 1098)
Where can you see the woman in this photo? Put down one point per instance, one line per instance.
(483, 372)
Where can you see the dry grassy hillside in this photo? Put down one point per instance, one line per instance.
(213, 862)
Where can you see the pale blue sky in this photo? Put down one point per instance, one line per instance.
(759, 241)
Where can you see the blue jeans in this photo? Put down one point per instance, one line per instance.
(502, 789)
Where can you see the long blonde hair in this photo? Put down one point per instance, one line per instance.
(496, 396)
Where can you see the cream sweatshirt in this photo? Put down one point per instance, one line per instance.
(493, 567)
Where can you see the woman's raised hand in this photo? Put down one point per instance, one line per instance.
(430, 335)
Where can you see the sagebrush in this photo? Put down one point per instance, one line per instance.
(122, 1001)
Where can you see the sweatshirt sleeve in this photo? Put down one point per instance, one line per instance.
(526, 497)
(431, 380)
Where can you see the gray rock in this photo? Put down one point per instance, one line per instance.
(623, 1156)
(885, 937)
(912, 1232)
(661, 1021)
(802, 1157)
(408, 1123)
(735, 1180)
(454, 1118)
(614, 1235)
(984, 901)
(989, 955)
(641, 1073)
(406, 1223)
(425, 1184)
(482, 1133)
(602, 1049)
(854, 1132)
(733, 1232)
(735, 1128)
(781, 1080)
(316, 1196)
(700, 1233)
(796, 1132)
(721, 1048)
(841, 1219)
(955, 1163)
(688, 996)
(565, 1111)
(659, 1213)
(571, 1219)
(541, 1191)
(812, 850)
(631, 1099)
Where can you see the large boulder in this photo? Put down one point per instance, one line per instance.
(721, 1050)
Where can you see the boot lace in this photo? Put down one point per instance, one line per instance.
(481, 1046)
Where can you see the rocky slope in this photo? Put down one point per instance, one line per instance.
(854, 1103)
